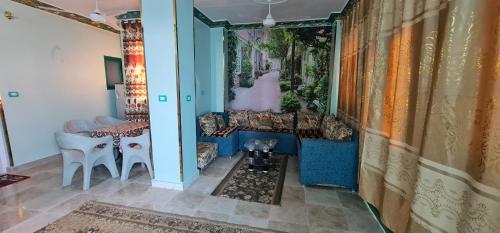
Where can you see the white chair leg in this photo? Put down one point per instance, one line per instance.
(148, 165)
(126, 167)
(111, 165)
(87, 173)
(68, 172)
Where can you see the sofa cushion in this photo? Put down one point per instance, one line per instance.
(239, 118)
(206, 152)
(282, 122)
(225, 131)
(208, 124)
(309, 121)
(335, 130)
(221, 124)
(260, 120)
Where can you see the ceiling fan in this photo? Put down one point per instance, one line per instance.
(269, 21)
(97, 15)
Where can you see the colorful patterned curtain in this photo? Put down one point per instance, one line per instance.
(421, 80)
(136, 107)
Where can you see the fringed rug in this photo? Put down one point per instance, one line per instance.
(254, 186)
(7, 179)
(96, 217)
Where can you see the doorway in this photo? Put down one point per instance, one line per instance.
(5, 150)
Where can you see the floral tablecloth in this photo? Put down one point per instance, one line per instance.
(131, 129)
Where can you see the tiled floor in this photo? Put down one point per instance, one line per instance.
(31, 204)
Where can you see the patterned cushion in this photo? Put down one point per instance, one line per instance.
(282, 122)
(208, 124)
(309, 121)
(335, 130)
(239, 118)
(260, 120)
(224, 132)
(327, 125)
(206, 152)
(221, 124)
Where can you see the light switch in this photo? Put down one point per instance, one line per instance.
(188, 98)
(13, 94)
(162, 98)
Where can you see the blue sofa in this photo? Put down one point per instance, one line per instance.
(321, 161)
(228, 145)
(324, 161)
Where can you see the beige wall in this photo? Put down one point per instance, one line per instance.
(57, 67)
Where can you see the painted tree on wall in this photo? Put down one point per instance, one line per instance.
(299, 83)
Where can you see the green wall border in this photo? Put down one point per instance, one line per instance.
(66, 14)
(377, 216)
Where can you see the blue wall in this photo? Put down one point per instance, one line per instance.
(159, 48)
(185, 43)
(209, 68)
(203, 71)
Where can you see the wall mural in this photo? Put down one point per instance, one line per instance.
(280, 69)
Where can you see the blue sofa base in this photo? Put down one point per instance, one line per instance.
(228, 146)
(287, 142)
(329, 162)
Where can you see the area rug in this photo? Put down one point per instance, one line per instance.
(96, 217)
(254, 186)
(7, 179)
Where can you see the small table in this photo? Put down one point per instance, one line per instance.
(260, 153)
(131, 129)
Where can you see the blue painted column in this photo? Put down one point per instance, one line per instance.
(337, 47)
(169, 54)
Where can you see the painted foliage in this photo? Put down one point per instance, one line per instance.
(279, 69)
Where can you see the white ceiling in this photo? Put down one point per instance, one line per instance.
(249, 11)
(235, 11)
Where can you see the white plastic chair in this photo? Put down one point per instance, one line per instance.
(135, 150)
(79, 126)
(108, 121)
(83, 151)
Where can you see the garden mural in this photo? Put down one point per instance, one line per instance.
(281, 69)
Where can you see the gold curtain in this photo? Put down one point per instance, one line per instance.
(421, 81)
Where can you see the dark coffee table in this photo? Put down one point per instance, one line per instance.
(260, 153)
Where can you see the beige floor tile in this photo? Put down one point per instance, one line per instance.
(204, 184)
(49, 199)
(218, 205)
(295, 215)
(188, 200)
(20, 198)
(212, 216)
(132, 191)
(322, 196)
(288, 227)
(299, 210)
(252, 209)
(249, 221)
(35, 223)
(15, 216)
(322, 217)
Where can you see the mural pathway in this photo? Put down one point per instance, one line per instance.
(263, 95)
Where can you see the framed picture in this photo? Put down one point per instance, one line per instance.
(114, 71)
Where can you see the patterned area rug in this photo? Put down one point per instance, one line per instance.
(7, 179)
(96, 217)
(254, 186)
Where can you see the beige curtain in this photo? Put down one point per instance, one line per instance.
(421, 81)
